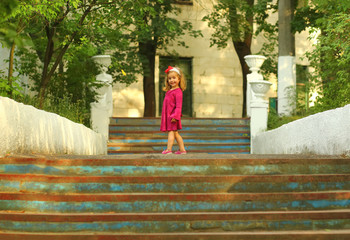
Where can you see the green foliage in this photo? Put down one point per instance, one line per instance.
(275, 121)
(330, 21)
(65, 34)
(153, 23)
(12, 23)
(7, 30)
(63, 106)
(268, 49)
(269, 32)
(331, 55)
(76, 80)
(330, 58)
(111, 34)
(232, 21)
(60, 57)
(5, 88)
(7, 7)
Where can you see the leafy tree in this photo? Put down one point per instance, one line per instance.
(153, 29)
(331, 55)
(233, 21)
(9, 32)
(62, 30)
(65, 34)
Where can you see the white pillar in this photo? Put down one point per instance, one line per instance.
(258, 119)
(258, 108)
(102, 108)
(286, 85)
(254, 63)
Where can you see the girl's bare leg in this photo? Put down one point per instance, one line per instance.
(171, 139)
(179, 141)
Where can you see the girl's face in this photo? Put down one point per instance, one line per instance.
(173, 80)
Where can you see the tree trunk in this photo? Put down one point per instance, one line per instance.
(10, 72)
(47, 59)
(242, 50)
(286, 59)
(147, 52)
(47, 74)
(286, 39)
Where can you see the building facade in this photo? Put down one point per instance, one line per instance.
(214, 76)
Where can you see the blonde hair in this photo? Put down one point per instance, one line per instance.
(182, 83)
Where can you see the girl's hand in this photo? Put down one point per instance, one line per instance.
(173, 120)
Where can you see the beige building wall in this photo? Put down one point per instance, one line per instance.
(217, 75)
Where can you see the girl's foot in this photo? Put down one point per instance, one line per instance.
(180, 152)
(167, 152)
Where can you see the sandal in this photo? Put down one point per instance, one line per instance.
(167, 152)
(180, 152)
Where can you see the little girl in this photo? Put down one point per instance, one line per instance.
(172, 106)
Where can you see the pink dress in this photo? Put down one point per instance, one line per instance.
(172, 107)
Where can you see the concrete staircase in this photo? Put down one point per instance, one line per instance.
(193, 196)
(201, 135)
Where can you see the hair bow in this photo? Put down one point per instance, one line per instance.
(169, 68)
(172, 69)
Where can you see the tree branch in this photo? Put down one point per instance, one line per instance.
(66, 46)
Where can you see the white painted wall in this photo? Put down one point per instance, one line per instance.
(322, 133)
(25, 129)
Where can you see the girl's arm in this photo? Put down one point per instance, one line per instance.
(178, 106)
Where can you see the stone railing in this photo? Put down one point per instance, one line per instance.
(25, 129)
(325, 133)
(102, 108)
(257, 105)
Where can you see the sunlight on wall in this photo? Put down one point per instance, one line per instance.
(25, 129)
(322, 133)
(128, 101)
(217, 74)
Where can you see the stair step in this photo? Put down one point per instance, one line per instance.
(198, 147)
(31, 183)
(198, 134)
(174, 165)
(174, 222)
(124, 129)
(189, 145)
(154, 128)
(153, 151)
(253, 235)
(187, 140)
(210, 216)
(174, 202)
(193, 196)
(184, 121)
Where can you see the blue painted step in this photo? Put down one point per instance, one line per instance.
(173, 165)
(185, 121)
(174, 223)
(154, 128)
(164, 197)
(35, 183)
(214, 136)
